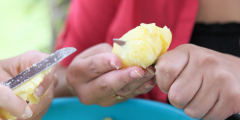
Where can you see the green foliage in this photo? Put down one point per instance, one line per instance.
(24, 25)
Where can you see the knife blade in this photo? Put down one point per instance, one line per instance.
(119, 41)
(39, 67)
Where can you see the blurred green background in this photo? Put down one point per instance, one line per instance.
(30, 25)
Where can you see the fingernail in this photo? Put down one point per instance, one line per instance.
(135, 74)
(149, 70)
(114, 65)
(38, 92)
(150, 74)
(55, 76)
(28, 113)
(163, 91)
(150, 85)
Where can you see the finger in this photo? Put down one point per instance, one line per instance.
(169, 66)
(145, 88)
(97, 49)
(44, 103)
(22, 62)
(40, 115)
(108, 83)
(44, 85)
(207, 96)
(227, 102)
(92, 67)
(185, 87)
(129, 88)
(111, 100)
(13, 104)
(220, 111)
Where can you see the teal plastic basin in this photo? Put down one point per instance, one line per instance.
(133, 109)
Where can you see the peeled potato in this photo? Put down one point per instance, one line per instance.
(166, 38)
(25, 91)
(144, 44)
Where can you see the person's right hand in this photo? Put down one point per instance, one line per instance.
(96, 78)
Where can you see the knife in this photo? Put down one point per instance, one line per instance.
(123, 42)
(119, 41)
(39, 67)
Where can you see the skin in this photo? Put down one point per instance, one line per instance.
(218, 11)
(12, 103)
(203, 82)
(209, 77)
(203, 85)
(95, 76)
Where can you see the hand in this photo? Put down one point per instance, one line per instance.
(203, 82)
(12, 103)
(95, 76)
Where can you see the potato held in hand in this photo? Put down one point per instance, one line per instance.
(25, 91)
(144, 44)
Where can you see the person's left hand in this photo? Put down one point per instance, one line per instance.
(96, 78)
(203, 82)
(13, 66)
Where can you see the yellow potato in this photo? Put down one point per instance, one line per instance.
(144, 44)
(25, 91)
(166, 38)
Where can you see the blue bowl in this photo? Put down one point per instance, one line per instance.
(133, 109)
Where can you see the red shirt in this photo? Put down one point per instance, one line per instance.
(91, 22)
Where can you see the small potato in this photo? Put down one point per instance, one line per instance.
(144, 44)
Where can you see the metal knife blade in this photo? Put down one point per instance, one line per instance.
(39, 67)
(119, 41)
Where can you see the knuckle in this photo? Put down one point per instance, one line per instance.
(207, 59)
(104, 86)
(144, 91)
(176, 99)
(164, 88)
(123, 78)
(163, 66)
(92, 67)
(70, 79)
(124, 91)
(222, 76)
(216, 116)
(168, 69)
(84, 100)
(160, 85)
(192, 113)
(125, 81)
(233, 95)
(74, 75)
(141, 90)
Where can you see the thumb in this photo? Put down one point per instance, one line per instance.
(13, 104)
